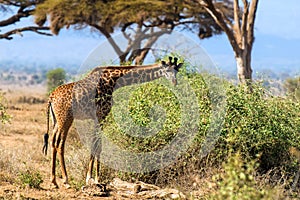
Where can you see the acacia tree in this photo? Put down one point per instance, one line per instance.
(240, 32)
(17, 10)
(141, 22)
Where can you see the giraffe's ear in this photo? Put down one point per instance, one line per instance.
(170, 60)
(175, 61)
(177, 67)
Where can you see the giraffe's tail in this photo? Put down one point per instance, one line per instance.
(46, 135)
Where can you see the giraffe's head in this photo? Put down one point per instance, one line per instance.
(170, 69)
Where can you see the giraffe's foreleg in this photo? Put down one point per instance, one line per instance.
(90, 170)
(97, 171)
(89, 176)
(98, 149)
(94, 157)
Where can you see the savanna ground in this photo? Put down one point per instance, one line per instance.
(25, 171)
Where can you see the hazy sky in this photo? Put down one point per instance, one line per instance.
(277, 42)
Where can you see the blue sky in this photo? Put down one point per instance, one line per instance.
(276, 46)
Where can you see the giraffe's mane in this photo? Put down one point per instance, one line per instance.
(125, 67)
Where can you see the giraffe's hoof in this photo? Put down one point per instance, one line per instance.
(90, 181)
(98, 190)
(67, 186)
(53, 186)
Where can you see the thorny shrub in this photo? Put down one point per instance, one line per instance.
(255, 123)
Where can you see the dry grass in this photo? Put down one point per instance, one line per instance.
(27, 119)
(21, 143)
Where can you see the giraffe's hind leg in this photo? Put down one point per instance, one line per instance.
(61, 158)
(60, 141)
(53, 163)
(58, 144)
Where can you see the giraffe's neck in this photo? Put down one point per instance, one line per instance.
(117, 77)
(139, 75)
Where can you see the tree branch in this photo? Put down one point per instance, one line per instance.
(245, 22)
(224, 16)
(135, 44)
(140, 54)
(109, 38)
(217, 16)
(236, 12)
(23, 10)
(251, 20)
(35, 29)
(10, 3)
(15, 18)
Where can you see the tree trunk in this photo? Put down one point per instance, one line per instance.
(139, 59)
(243, 63)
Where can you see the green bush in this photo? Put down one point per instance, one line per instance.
(55, 78)
(237, 181)
(254, 124)
(137, 115)
(259, 124)
(30, 178)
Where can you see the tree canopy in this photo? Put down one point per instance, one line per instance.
(141, 22)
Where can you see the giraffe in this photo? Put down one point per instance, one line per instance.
(91, 98)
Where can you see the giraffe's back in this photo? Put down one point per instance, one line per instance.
(74, 100)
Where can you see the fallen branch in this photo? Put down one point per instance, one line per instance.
(141, 190)
(125, 190)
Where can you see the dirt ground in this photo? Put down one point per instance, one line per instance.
(21, 143)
